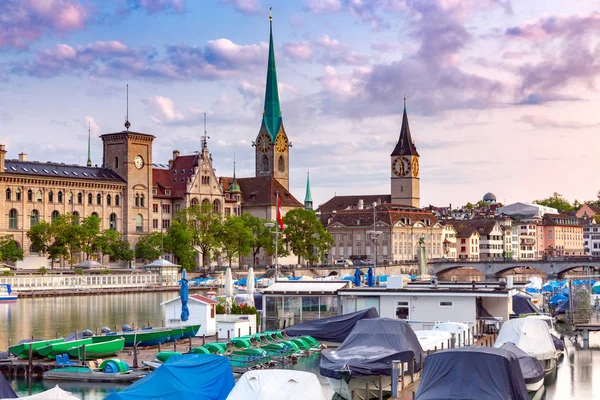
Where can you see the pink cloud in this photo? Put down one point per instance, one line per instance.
(322, 6)
(245, 6)
(23, 21)
(165, 107)
(298, 51)
(154, 6)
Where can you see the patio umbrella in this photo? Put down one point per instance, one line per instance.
(250, 286)
(370, 277)
(228, 288)
(183, 295)
(356, 279)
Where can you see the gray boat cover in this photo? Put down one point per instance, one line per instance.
(533, 370)
(6, 392)
(332, 329)
(472, 373)
(370, 349)
(523, 305)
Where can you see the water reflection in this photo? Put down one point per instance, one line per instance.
(83, 390)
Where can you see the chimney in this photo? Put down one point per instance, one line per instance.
(379, 201)
(361, 204)
(2, 157)
(175, 154)
(22, 156)
(170, 164)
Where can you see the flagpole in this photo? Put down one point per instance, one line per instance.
(276, 232)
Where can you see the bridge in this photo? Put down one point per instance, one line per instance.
(552, 266)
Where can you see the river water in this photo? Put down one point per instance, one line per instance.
(577, 376)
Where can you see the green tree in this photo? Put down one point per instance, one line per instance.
(88, 232)
(261, 236)
(205, 227)
(111, 243)
(9, 250)
(122, 251)
(236, 238)
(150, 246)
(179, 243)
(41, 238)
(305, 235)
(556, 201)
(469, 206)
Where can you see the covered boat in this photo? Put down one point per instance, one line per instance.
(533, 337)
(523, 305)
(6, 293)
(332, 329)
(283, 384)
(21, 349)
(367, 353)
(532, 369)
(6, 392)
(472, 373)
(113, 370)
(185, 377)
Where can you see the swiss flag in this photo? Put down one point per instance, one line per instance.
(279, 216)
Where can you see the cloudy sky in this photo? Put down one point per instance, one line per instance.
(501, 95)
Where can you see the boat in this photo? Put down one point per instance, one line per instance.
(6, 293)
(53, 349)
(367, 354)
(558, 342)
(472, 372)
(21, 349)
(190, 376)
(98, 350)
(459, 329)
(190, 331)
(522, 305)
(280, 383)
(55, 393)
(143, 337)
(6, 391)
(433, 340)
(533, 337)
(532, 369)
(109, 371)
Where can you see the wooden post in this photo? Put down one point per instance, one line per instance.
(402, 374)
(76, 335)
(412, 370)
(190, 344)
(367, 391)
(174, 345)
(135, 359)
(380, 389)
(413, 395)
(159, 350)
(239, 332)
(57, 335)
(249, 330)
(217, 336)
(228, 335)
(442, 345)
(83, 354)
(203, 339)
(352, 395)
(31, 357)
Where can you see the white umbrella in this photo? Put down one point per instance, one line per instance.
(228, 288)
(250, 286)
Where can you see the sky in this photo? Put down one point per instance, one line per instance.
(501, 95)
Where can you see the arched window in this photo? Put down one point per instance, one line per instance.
(112, 221)
(75, 218)
(79, 198)
(12, 219)
(33, 250)
(281, 164)
(108, 200)
(18, 194)
(34, 218)
(98, 199)
(116, 162)
(8, 194)
(60, 197)
(137, 200)
(205, 201)
(217, 206)
(30, 195)
(117, 200)
(139, 227)
(71, 197)
(95, 214)
(265, 164)
(39, 196)
(50, 197)
(194, 202)
(55, 214)
(90, 198)
(142, 198)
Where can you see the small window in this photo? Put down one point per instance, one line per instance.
(90, 198)
(46, 171)
(117, 200)
(50, 197)
(79, 198)
(24, 169)
(174, 180)
(84, 173)
(8, 194)
(34, 170)
(116, 162)
(445, 304)
(60, 197)
(108, 200)
(13, 168)
(55, 172)
(30, 195)
(98, 199)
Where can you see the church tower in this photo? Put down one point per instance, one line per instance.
(272, 145)
(405, 168)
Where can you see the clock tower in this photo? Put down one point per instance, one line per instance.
(405, 168)
(272, 144)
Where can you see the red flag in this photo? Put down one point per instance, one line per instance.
(279, 216)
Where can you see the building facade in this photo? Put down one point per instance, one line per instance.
(560, 235)
(591, 238)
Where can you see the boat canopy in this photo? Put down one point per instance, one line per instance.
(185, 377)
(523, 305)
(532, 369)
(56, 393)
(332, 329)
(277, 384)
(370, 349)
(6, 392)
(530, 335)
(472, 373)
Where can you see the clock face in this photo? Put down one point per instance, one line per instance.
(264, 142)
(138, 161)
(406, 163)
(398, 167)
(415, 167)
(281, 143)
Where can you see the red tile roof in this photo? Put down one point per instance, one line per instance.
(163, 179)
(203, 299)
(260, 191)
(387, 213)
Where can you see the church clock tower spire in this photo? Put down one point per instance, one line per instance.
(272, 145)
(405, 182)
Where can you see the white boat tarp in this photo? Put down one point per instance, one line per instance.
(279, 384)
(530, 335)
(56, 393)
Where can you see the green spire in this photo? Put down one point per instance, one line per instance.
(272, 111)
(234, 187)
(89, 160)
(308, 203)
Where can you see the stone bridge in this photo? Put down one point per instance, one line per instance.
(552, 267)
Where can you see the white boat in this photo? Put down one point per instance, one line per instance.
(6, 293)
(533, 337)
(433, 340)
(549, 320)
(459, 329)
(281, 384)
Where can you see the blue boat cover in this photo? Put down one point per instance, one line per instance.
(533, 370)
(523, 305)
(472, 373)
(356, 279)
(557, 299)
(6, 392)
(332, 329)
(184, 377)
(184, 293)
(370, 349)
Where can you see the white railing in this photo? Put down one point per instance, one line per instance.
(80, 282)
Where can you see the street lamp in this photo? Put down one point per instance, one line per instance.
(274, 225)
(375, 235)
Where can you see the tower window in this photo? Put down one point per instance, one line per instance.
(108, 200)
(139, 227)
(281, 164)
(30, 195)
(60, 197)
(112, 222)
(79, 198)
(137, 200)
(90, 198)
(117, 199)
(35, 218)
(116, 162)
(142, 198)
(12, 219)
(18, 194)
(50, 197)
(8, 194)
(265, 164)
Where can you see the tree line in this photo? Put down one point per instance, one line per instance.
(198, 229)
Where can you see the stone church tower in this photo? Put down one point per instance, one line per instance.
(272, 144)
(405, 168)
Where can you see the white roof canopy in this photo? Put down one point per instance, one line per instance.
(306, 287)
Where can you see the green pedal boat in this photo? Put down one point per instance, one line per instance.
(97, 350)
(21, 350)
